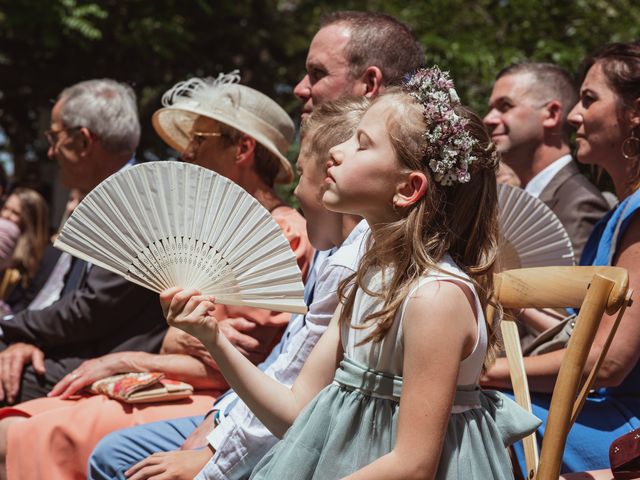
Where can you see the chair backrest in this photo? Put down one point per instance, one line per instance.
(594, 290)
(10, 278)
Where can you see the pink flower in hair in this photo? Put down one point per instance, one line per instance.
(449, 144)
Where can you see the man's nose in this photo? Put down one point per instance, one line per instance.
(188, 155)
(575, 116)
(492, 118)
(303, 88)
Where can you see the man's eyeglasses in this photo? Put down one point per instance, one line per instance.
(52, 136)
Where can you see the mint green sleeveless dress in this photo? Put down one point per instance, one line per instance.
(353, 421)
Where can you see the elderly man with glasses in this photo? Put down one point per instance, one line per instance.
(80, 312)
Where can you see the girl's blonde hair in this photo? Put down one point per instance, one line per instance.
(459, 219)
(34, 232)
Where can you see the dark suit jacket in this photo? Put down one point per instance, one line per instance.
(98, 313)
(22, 295)
(104, 314)
(577, 203)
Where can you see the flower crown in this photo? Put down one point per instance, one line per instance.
(449, 144)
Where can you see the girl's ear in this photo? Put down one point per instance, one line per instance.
(245, 149)
(410, 190)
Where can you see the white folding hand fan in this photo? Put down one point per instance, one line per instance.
(165, 224)
(530, 233)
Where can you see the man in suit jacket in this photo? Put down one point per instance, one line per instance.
(528, 123)
(81, 311)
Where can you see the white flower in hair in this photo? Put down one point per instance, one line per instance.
(449, 144)
(454, 95)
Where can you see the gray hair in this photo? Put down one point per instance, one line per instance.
(107, 108)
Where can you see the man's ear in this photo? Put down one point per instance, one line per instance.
(245, 151)
(553, 114)
(372, 82)
(411, 189)
(86, 141)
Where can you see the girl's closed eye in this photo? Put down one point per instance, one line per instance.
(363, 141)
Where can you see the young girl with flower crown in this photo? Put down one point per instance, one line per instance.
(410, 339)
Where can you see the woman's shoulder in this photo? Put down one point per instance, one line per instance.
(294, 228)
(629, 243)
(289, 216)
(625, 211)
(623, 228)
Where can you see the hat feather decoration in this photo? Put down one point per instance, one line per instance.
(200, 90)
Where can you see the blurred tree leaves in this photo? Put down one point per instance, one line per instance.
(46, 45)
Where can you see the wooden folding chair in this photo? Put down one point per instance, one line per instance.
(595, 290)
(9, 280)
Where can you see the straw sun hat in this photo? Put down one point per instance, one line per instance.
(228, 102)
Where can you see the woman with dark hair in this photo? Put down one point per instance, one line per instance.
(607, 123)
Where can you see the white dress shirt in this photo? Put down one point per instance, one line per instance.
(241, 440)
(538, 183)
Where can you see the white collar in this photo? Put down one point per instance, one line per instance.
(538, 183)
(361, 228)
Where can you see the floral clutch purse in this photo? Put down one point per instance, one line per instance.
(141, 388)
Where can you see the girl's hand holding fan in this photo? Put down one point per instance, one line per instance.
(191, 312)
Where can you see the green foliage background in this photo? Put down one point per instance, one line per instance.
(46, 45)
